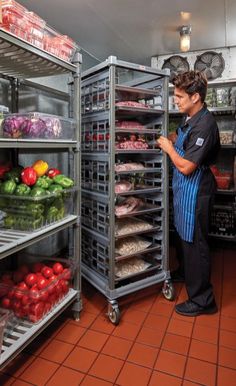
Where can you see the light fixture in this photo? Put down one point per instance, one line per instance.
(185, 32)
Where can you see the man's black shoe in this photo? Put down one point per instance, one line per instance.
(190, 308)
(176, 277)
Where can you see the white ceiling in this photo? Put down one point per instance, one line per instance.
(136, 30)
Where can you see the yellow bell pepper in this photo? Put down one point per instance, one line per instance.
(40, 167)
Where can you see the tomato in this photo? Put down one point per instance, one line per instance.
(4, 289)
(31, 279)
(20, 290)
(34, 294)
(66, 274)
(47, 307)
(57, 268)
(6, 302)
(65, 286)
(52, 299)
(47, 272)
(37, 267)
(16, 305)
(42, 282)
(11, 294)
(25, 300)
(36, 311)
(44, 295)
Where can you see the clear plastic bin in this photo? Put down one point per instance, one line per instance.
(34, 289)
(59, 45)
(35, 29)
(32, 213)
(36, 125)
(14, 18)
(7, 323)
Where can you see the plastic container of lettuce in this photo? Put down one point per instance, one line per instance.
(37, 125)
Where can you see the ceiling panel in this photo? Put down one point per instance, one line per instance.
(135, 30)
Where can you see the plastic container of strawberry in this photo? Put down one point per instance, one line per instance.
(14, 18)
(35, 29)
(34, 289)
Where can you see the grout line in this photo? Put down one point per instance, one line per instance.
(220, 308)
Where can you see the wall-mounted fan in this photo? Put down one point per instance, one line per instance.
(211, 63)
(176, 64)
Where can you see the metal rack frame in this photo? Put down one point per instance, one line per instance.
(100, 87)
(20, 59)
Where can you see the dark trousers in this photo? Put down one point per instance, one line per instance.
(194, 258)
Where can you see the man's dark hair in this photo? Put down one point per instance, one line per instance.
(192, 82)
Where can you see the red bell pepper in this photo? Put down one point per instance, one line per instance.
(28, 176)
(53, 172)
(4, 169)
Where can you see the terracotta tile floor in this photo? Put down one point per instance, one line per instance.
(151, 346)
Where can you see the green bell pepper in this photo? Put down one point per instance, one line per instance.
(52, 214)
(35, 209)
(8, 187)
(22, 190)
(9, 221)
(14, 174)
(37, 192)
(54, 188)
(64, 181)
(43, 182)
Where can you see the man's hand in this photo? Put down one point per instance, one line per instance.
(165, 144)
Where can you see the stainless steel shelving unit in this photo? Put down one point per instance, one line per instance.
(102, 87)
(20, 59)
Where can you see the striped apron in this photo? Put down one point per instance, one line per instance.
(185, 191)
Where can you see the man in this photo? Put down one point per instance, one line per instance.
(195, 149)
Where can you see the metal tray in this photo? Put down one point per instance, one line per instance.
(140, 191)
(150, 230)
(142, 210)
(153, 267)
(137, 92)
(146, 170)
(128, 110)
(136, 130)
(152, 248)
(138, 151)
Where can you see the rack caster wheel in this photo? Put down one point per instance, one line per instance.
(76, 316)
(114, 313)
(168, 290)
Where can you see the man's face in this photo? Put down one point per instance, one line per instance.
(185, 102)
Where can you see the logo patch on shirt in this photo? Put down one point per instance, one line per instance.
(199, 141)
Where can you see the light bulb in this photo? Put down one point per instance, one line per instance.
(185, 32)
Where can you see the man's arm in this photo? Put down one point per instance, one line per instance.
(184, 166)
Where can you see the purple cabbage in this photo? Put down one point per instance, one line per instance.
(18, 126)
(12, 126)
(33, 128)
(53, 127)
